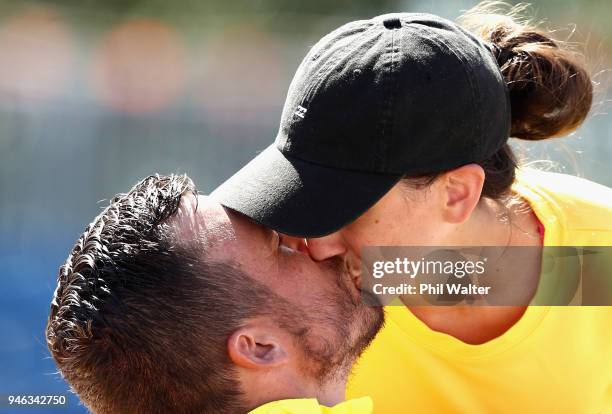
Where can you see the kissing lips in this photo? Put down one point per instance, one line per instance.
(355, 276)
(356, 281)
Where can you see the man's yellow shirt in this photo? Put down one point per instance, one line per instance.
(555, 359)
(311, 406)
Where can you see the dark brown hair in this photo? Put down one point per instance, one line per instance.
(549, 86)
(138, 322)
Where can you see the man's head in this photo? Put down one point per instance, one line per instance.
(170, 303)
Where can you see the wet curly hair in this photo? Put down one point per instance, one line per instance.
(138, 322)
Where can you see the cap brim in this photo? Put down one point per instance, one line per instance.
(300, 198)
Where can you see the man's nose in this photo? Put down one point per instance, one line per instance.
(295, 243)
(322, 248)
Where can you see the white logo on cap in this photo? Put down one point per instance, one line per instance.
(300, 111)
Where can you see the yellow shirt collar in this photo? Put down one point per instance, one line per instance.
(311, 406)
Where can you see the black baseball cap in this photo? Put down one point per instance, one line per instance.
(373, 101)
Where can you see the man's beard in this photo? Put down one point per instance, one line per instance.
(351, 324)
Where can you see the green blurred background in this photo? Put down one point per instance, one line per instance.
(95, 95)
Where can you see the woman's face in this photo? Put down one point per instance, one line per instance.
(404, 216)
(409, 215)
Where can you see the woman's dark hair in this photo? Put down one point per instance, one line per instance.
(550, 88)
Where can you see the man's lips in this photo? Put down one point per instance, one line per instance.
(356, 281)
(354, 276)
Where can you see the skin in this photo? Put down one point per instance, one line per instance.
(269, 361)
(450, 212)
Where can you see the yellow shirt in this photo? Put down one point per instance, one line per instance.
(553, 360)
(311, 406)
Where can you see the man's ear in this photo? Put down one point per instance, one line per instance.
(256, 347)
(462, 187)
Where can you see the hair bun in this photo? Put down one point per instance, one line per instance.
(550, 89)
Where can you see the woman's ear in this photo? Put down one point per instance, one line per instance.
(462, 189)
(256, 347)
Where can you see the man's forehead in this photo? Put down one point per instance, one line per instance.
(202, 218)
(221, 231)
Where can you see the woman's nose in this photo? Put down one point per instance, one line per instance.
(322, 248)
(295, 243)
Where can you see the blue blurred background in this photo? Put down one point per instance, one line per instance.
(95, 95)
